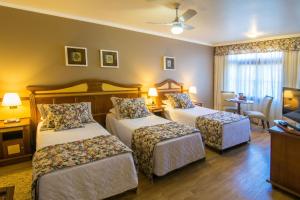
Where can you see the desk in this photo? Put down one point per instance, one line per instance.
(239, 102)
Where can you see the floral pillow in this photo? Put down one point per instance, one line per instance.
(174, 100)
(185, 101)
(49, 112)
(67, 121)
(130, 108)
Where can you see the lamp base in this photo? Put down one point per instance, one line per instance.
(12, 120)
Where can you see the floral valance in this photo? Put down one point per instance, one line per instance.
(286, 44)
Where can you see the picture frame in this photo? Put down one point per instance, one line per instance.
(169, 63)
(109, 58)
(76, 56)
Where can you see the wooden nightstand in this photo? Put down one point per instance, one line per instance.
(157, 110)
(15, 142)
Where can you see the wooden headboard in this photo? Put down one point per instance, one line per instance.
(98, 92)
(166, 87)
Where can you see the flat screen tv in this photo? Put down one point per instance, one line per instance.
(291, 104)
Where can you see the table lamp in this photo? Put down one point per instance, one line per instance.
(152, 92)
(11, 100)
(192, 90)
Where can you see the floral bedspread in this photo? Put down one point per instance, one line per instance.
(60, 156)
(211, 126)
(145, 138)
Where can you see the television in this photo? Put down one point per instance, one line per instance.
(291, 104)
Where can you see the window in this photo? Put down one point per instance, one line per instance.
(256, 75)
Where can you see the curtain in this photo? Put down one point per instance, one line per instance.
(292, 69)
(220, 63)
(256, 75)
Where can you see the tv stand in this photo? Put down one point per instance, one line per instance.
(285, 160)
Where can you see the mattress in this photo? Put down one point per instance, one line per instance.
(96, 180)
(168, 155)
(233, 133)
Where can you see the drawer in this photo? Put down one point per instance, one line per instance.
(13, 148)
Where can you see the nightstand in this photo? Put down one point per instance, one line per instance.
(15, 142)
(157, 110)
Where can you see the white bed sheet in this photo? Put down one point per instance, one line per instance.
(168, 155)
(233, 134)
(96, 180)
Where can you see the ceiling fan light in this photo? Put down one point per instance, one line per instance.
(176, 29)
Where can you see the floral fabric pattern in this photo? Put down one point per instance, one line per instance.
(59, 113)
(286, 44)
(130, 108)
(185, 101)
(211, 127)
(61, 156)
(145, 138)
(173, 99)
(67, 121)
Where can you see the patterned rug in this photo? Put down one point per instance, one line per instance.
(21, 181)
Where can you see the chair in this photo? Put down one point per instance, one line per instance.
(264, 113)
(226, 105)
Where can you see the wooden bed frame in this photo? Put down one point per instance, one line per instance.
(98, 92)
(166, 87)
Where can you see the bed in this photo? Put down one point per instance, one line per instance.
(233, 132)
(169, 154)
(98, 179)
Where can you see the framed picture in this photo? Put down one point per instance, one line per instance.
(109, 58)
(76, 56)
(169, 63)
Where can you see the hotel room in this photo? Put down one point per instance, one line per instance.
(149, 99)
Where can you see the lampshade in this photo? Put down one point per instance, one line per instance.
(193, 90)
(11, 100)
(152, 92)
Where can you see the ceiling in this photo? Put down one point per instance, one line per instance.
(217, 22)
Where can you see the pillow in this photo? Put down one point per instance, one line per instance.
(113, 111)
(67, 121)
(185, 101)
(84, 109)
(47, 113)
(130, 108)
(174, 101)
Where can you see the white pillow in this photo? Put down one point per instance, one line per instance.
(113, 111)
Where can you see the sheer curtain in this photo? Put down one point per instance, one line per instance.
(256, 75)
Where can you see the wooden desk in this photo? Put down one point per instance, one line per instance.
(285, 161)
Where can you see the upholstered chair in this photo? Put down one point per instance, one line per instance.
(264, 113)
(226, 105)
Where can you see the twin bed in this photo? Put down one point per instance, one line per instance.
(103, 177)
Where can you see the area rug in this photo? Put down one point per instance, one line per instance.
(21, 181)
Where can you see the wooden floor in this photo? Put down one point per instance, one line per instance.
(240, 173)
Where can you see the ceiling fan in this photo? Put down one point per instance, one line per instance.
(178, 24)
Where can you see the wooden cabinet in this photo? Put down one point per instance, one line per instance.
(15, 143)
(157, 110)
(285, 161)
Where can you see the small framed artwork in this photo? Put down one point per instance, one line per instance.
(76, 56)
(169, 63)
(109, 58)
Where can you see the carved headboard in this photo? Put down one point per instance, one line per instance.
(98, 92)
(166, 87)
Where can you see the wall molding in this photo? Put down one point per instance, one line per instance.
(99, 22)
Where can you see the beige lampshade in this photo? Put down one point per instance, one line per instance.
(11, 100)
(192, 90)
(152, 92)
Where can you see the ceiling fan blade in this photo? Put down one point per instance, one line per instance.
(187, 27)
(158, 23)
(188, 15)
